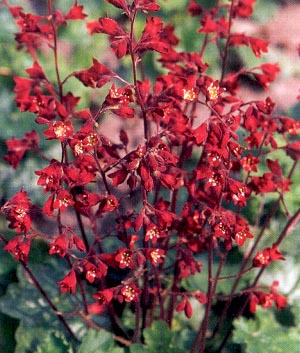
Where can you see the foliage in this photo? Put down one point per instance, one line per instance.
(265, 331)
(165, 195)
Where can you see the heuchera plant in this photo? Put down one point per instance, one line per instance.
(191, 171)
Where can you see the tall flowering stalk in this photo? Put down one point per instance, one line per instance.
(192, 171)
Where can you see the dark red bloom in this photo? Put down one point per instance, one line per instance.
(63, 200)
(95, 271)
(155, 255)
(185, 305)
(103, 298)
(118, 99)
(121, 4)
(243, 8)
(17, 148)
(17, 211)
(130, 293)
(19, 247)
(151, 37)
(96, 76)
(68, 283)
(59, 246)
(108, 204)
(256, 44)
(125, 258)
(51, 177)
(119, 39)
(75, 13)
(147, 5)
(194, 9)
(267, 256)
(60, 130)
(153, 233)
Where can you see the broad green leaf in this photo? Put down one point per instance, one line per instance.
(7, 330)
(7, 264)
(23, 301)
(54, 342)
(159, 338)
(137, 348)
(41, 340)
(98, 342)
(265, 334)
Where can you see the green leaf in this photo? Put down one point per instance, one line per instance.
(41, 340)
(23, 301)
(55, 342)
(137, 348)
(8, 264)
(265, 334)
(98, 342)
(8, 327)
(159, 338)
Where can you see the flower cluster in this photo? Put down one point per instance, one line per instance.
(147, 210)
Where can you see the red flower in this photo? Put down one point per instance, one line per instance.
(124, 258)
(108, 204)
(85, 201)
(59, 246)
(119, 39)
(151, 38)
(147, 5)
(257, 45)
(253, 303)
(96, 76)
(263, 184)
(78, 176)
(188, 265)
(68, 283)
(63, 200)
(51, 177)
(17, 211)
(75, 13)
(213, 91)
(249, 163)
(130, 293)
(153, 233)
(185, 306)
(155, 255)
(76, 240)
(118, 100)
(93, 272)
(19, 247)
(28, 22)
(200, 133)
(16, 151)
(60, 130)
(267, 256)
(267, 299)
(194, 9)
(244, 8)
(121, 4)
(103, 298)
(268, 75)
(208, 24)
(36, 71)
(118, 177)
(17, 148)
(238, 192)
(241, 236)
